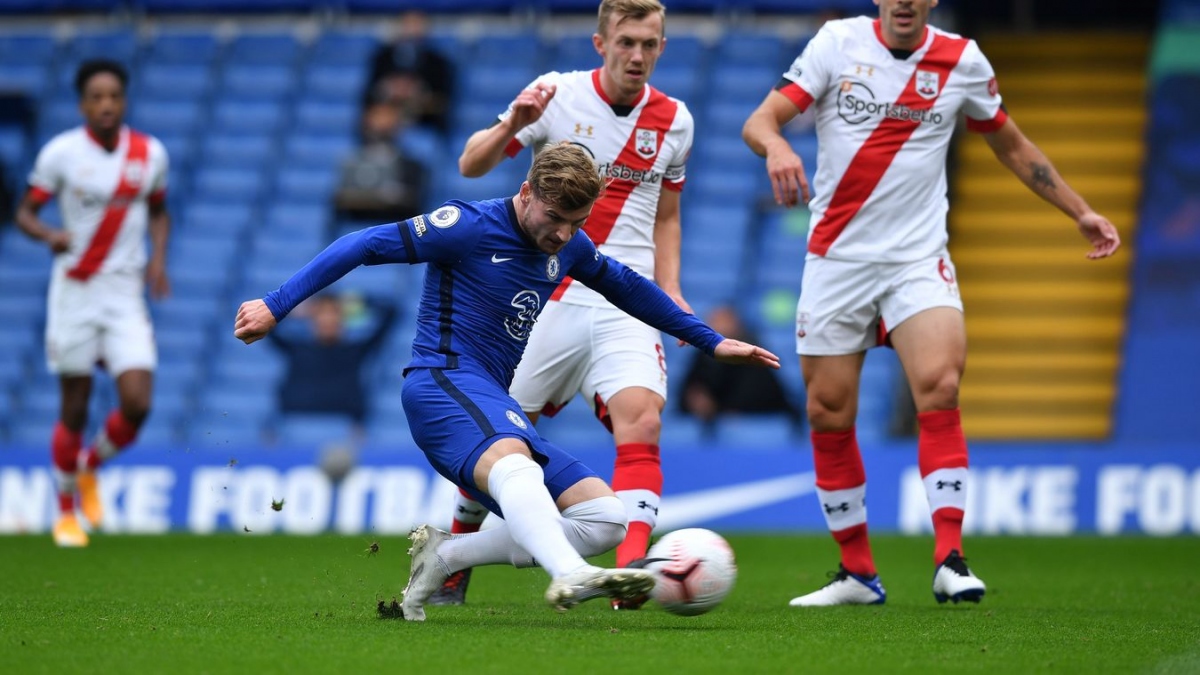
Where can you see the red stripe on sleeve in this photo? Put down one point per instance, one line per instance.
(158, 198)
(39, 196)
(988, 126)
(514, 146)
(114, 215)
(797, 95)
(674, 186)
(872, 160)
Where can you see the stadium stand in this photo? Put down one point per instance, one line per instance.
(257, 118)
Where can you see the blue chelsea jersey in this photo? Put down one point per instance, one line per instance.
(486, 284)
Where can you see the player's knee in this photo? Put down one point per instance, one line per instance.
(824, 414)
(599, 524)
(644, 427)
(937, 393)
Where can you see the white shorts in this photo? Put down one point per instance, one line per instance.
(848, 306)
(101, 321)
(595, 351)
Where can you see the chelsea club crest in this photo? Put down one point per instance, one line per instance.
(552, 268)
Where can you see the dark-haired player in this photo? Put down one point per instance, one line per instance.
(111, 185)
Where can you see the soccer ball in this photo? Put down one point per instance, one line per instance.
(694, 570)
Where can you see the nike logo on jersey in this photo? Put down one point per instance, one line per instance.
(497, 259)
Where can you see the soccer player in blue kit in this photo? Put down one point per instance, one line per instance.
(491, 267)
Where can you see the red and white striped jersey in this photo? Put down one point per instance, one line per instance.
(641, 153)
(93, 186)
(883, 130)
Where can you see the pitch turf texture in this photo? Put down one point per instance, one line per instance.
(249, 604)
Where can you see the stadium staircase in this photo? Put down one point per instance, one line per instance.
(1045, 324)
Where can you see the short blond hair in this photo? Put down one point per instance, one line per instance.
(629, 9)
(565, 175)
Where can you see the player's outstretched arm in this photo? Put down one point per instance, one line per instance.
(763, 132)
(1024, 159)
(485, 148)
(254, 320)
(736, 351)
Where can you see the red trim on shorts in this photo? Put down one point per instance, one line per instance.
(988, 126)
(601, 409)
(114, 215)
(550, 410)
(872, 160)
(797, 95)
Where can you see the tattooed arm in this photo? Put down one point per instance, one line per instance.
(1024, 159)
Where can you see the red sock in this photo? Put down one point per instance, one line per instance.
(64, 454)
(468, 514)
(942, 458)
(638, 481)
(841, 486)
(118, 431)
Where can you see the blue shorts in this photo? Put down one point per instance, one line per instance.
(456, 415)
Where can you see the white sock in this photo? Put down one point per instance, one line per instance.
(592, 527)
(517, 484)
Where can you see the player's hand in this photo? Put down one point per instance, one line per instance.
(529, 105)
(156, 279)
(254, 321)
(1101, 233)
(736, 351)
(788, 181)
(58, 240)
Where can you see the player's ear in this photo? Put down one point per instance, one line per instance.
(598, 43)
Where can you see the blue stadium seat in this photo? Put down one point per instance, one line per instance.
(681, 83)
(29, 78)
(238, 398)
(237, 150)
(179, 342)
(343, 48)
(29, 309)
(320, 116)
(471, 115)
(197, 313)
(236, 186)
(318, 151)
(754, 49)
(120, 45)
(303, 224)
(183, 47)
(215, 219)
(524, 48)
(164, 117)
(726, 116)
(258, 82)
(334, 83)
(756, 432)
(575, 52)
(59, 116)
(683, 51)
(27, 48)
(178, 375)
(492, 83)
(305, 184)
(260, 372)
(264, 49)
(175, 81)
(248, 117)
(159, 431)
(226, 428)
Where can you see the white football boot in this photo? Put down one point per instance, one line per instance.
(845, 588)
(425, 576)
(953, 580)
(595, 582)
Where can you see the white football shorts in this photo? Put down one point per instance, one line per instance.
(594, 351)
(103, 320)
(848, 306)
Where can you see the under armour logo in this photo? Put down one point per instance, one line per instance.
(470, 512)
(648, 505)
(580, 129)
(943, 484)
(844, 507)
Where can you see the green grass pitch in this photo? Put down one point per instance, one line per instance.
(249, 604)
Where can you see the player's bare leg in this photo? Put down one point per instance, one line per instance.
(134, 388)
(64, 453)
(932, 346)
(832, 384)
